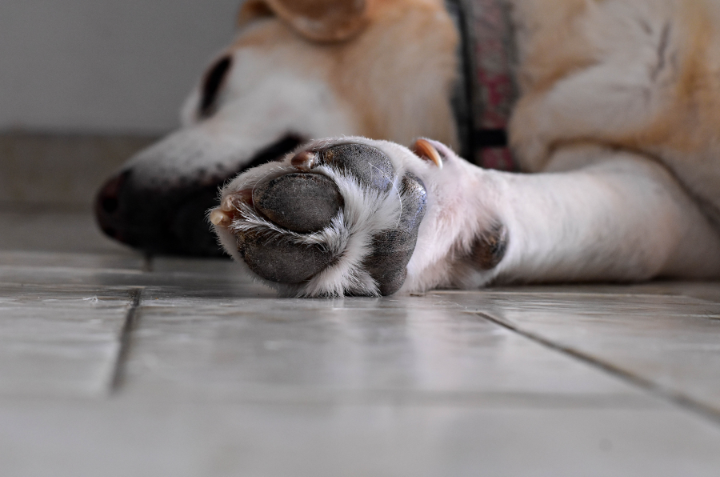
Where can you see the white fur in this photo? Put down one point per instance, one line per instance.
(263, 100)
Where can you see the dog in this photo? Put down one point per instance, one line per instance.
(286, 78)
(615, 119)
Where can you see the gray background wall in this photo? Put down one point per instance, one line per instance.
(105, 66)
(86, 83)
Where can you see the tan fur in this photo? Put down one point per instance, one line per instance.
(324, 20)
(689, 123)
(550, 42)
(681, 127)
(252, 10)
(554, 45)
(618, 114)
(558, 40)
(376, 80)
(621, 96)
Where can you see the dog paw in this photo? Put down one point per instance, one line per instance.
(339, 217)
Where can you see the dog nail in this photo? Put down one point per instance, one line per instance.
(230, 203)
(304, 161)
(227, 204)
(424, 150)
(220, 218)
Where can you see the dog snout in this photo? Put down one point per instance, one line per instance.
(159, 218)
(159, 202)
(107, 204)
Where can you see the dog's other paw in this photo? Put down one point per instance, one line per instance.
(338, 217)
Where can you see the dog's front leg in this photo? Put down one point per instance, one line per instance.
(601, 215)
(362, 217)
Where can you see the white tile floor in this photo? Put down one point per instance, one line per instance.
(113, 364)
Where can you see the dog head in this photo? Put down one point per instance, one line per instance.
(297, 70)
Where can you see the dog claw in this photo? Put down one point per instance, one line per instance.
(220, 217)
(424, 150)
(227, 205)
(230, 203)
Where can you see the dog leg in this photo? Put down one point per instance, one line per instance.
(605, 215)
(355, 216)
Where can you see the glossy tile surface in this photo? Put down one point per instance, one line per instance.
(113, 364)
(399, 349)
(178, 438)
(671, 343)
(59, 340)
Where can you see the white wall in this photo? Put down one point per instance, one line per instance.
(105, 66)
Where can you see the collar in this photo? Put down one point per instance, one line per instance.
(485, 92)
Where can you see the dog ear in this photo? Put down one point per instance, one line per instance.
(252, 10)
(318, 20)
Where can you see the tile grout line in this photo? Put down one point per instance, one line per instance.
(653, 388)
(129, 325)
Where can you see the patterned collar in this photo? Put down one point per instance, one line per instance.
(483, 98)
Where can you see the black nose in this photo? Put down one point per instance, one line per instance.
(163, 218)
(107, 204)
(167, 215)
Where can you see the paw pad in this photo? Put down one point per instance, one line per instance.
(282, 261)
(333, 220)
(302, 203)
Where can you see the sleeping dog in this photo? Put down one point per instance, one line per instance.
(616, 117)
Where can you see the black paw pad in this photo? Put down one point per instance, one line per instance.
(280, 261)
(287, 233)
(392, 249)
(367, 164)
(302, 203)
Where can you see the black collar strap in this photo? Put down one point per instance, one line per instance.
(485, 91)
(462, 94)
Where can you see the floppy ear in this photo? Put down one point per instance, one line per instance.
(319, 20)
(251, 10)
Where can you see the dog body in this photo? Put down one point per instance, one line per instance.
(617, 119)
(283, 81)
(639, 76)
(626, 92)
